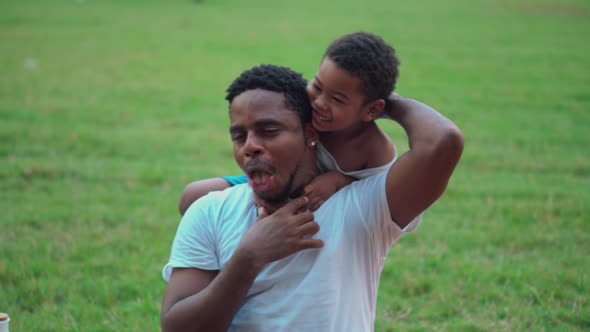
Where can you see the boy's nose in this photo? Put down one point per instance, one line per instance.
(320, 103)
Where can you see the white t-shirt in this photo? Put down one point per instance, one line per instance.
(329, 289)
(326, 162)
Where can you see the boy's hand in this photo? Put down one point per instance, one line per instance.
(323, 186)
(393, 106)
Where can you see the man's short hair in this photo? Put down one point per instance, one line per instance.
(277, 79)
(368, 57)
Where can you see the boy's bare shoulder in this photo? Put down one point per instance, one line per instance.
(372, 149)
(379, 149)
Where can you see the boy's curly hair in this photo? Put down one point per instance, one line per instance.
(368, 57)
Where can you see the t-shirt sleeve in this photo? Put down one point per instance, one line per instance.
(372, 201)
(373, 196)
(194, 245)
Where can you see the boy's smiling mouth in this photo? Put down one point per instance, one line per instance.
(319, 117)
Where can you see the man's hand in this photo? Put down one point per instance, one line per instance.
(323, 186)
(280, 234)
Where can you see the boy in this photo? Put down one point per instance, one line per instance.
(352, 87)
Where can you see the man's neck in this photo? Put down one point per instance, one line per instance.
(296, 192)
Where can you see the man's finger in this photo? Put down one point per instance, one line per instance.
(295, 204)
(309, 228)
(303, 217)
(310, 244)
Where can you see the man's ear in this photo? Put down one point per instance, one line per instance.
(311, 135)
(373, 110)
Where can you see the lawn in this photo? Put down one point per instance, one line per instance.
(107, 108)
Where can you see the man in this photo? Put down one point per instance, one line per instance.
(253, 258)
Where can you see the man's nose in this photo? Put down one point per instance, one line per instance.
(252, 146)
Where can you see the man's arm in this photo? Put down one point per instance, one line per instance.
(200, 300)
(420, 176)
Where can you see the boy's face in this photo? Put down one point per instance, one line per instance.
(270, 145)
(336, 98)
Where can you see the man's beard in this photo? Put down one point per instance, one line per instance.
(286, 193)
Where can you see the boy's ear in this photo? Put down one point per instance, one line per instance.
(373, 110)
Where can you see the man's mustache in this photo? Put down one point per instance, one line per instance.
(258, 165)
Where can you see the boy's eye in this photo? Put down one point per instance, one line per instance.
(317, 88)
(338, 100)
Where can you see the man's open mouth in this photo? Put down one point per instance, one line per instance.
(259, 178)
(260, 174)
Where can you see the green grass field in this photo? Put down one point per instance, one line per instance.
(107, 108)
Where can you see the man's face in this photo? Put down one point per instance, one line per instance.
(336, 98)
(270, 146)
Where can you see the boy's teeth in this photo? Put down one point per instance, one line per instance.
(323, 118)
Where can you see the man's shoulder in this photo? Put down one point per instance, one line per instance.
(230, 198)
(231, 192)
(374, 182)
(363, 193)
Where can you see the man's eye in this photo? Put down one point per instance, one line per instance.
(237, 137)
(270, 132)
(317, 88)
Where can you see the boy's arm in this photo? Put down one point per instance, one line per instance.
(420, 176)
(198, 189)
